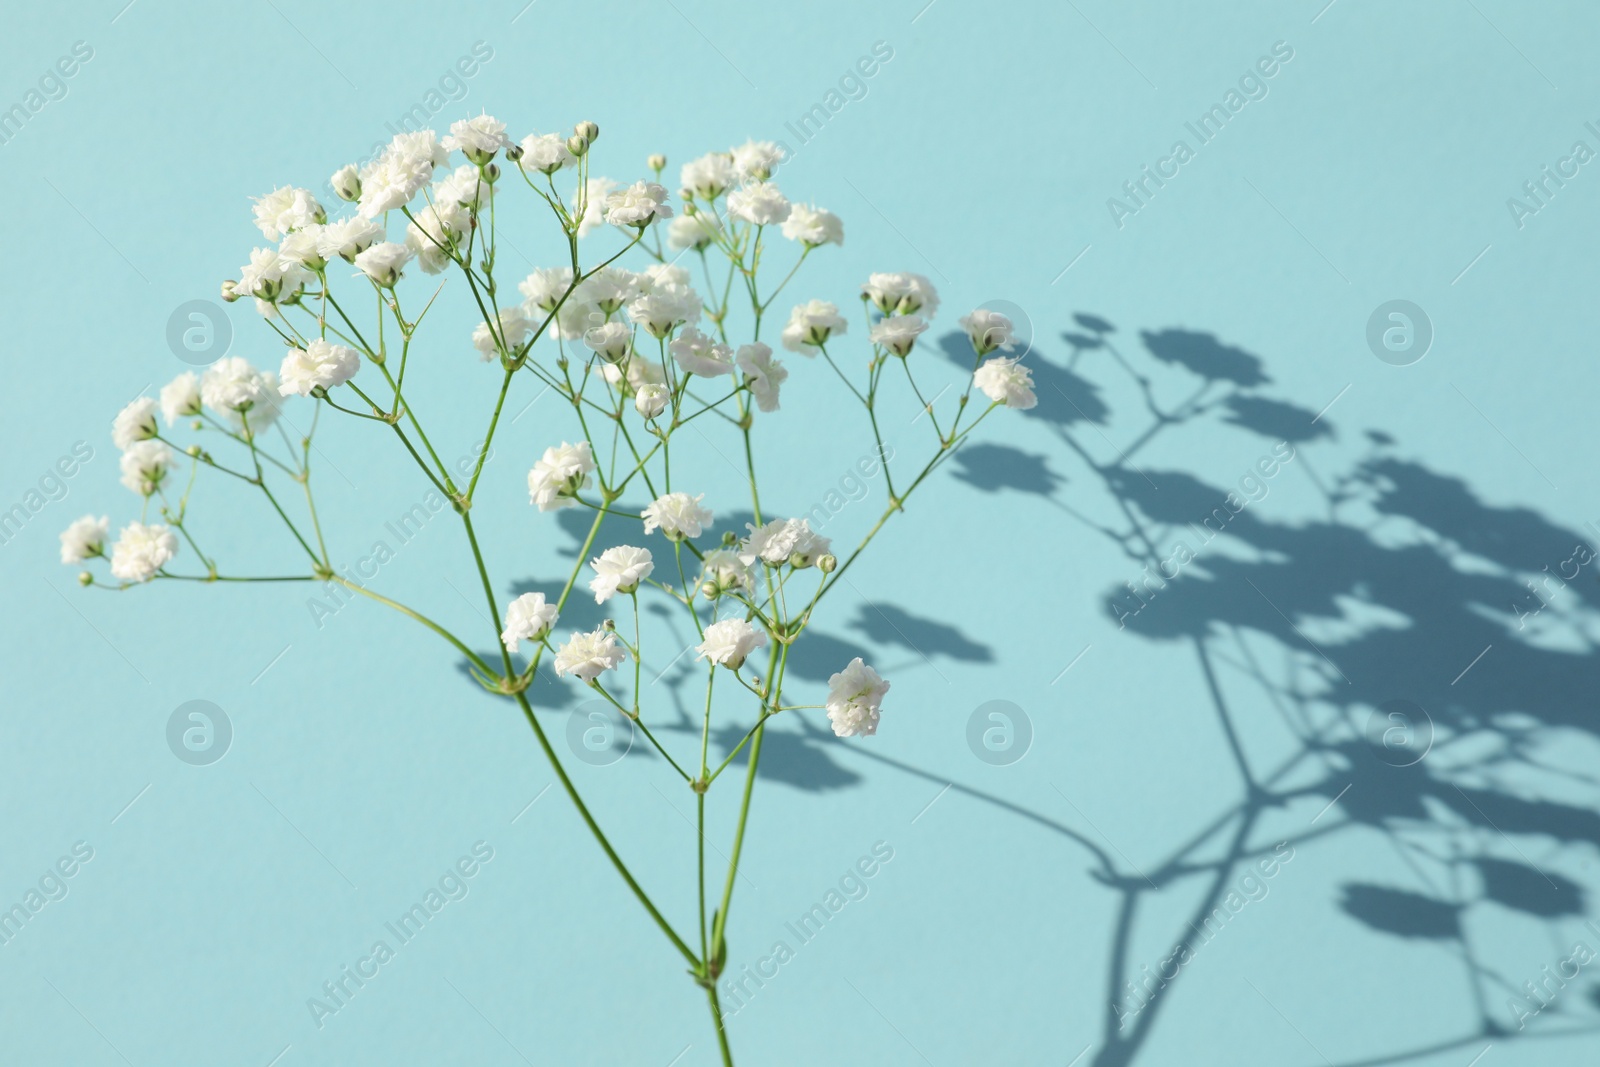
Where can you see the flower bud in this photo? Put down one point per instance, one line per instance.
(657, 162)
(192, 450)
(710, 590)
(346, 183)
(609, 624)
(85, 578)
(228, 292)
(799, 560)
(650, 400)
(587, 130)
(827, 562)
(491, 173)
(578, 146)
(514, 153)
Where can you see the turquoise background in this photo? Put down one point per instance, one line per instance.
(1020, 898)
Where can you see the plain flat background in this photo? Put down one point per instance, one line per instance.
(1377, 167)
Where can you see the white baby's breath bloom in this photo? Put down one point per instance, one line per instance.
(611, 341)
(632, 374)
(84, 539)
(811, 324)
(902, 294)
(421, 147)
(619, 570)
(608, 288)
(544, 288)
(231, 385)
(384, 262)
(855, 696)
(319, 365)
(639, 204)
(1006, 380)
(141, 551)
(391, 180)
(664, 308)
(463, 187)
(810, 225)
(762, 374)
(756, 160)
(783, 541)
(709, 176)
(528, 618)
(561, 472)
(593, 201)
(692, 231)
(988, 330)
(477, 138)
(677, 515)
(651, 400)
(546, 153)
(346, 182)
(285, 209)
(180, 398)
(514, 330)
(898, 333)
(760, 204)
(576, 318)
(304, 246)
(435, 234)
(663, 277)
(271, 277)
(348, 238)
(722, 571)
(136, 422)
(729, 641)
(144, 466)
(698, 354)
(587, 656)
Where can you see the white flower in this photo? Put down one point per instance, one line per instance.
(759, 204)
(611, 341)
(728, 642)
(84, 539)
(677, 515)
(384, 262)
(144, 466)
(436, 233)
(634, 374)
(576, 318)
(285, 209)
(811, 324)
(392, 180)
(783, 541)
(478, 138)
(514, 330)
(988, 330)
(561, 472)
(593, 197)
(141, 551)
(855, 695)
(180, 398)
(544, 289)
(232, 385)
(709, 176)
(546, 153)
(463, 187)
(320, 364)
(1003, 379)
(663, 277)
(304, 246)
(898, 333)
(619, 570)
(589, 655)
(698, 354)
(665, 307)
(528, 618)
(902, 294)
(346, 182)
(756, 160)
(348, 238)
(136, 422)
(639, 204)
(723, 570)
(813, 226)
(692, 231)
(271, 277)
(421, 147)
(608, 288)
(763, 374)
(651, 400)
